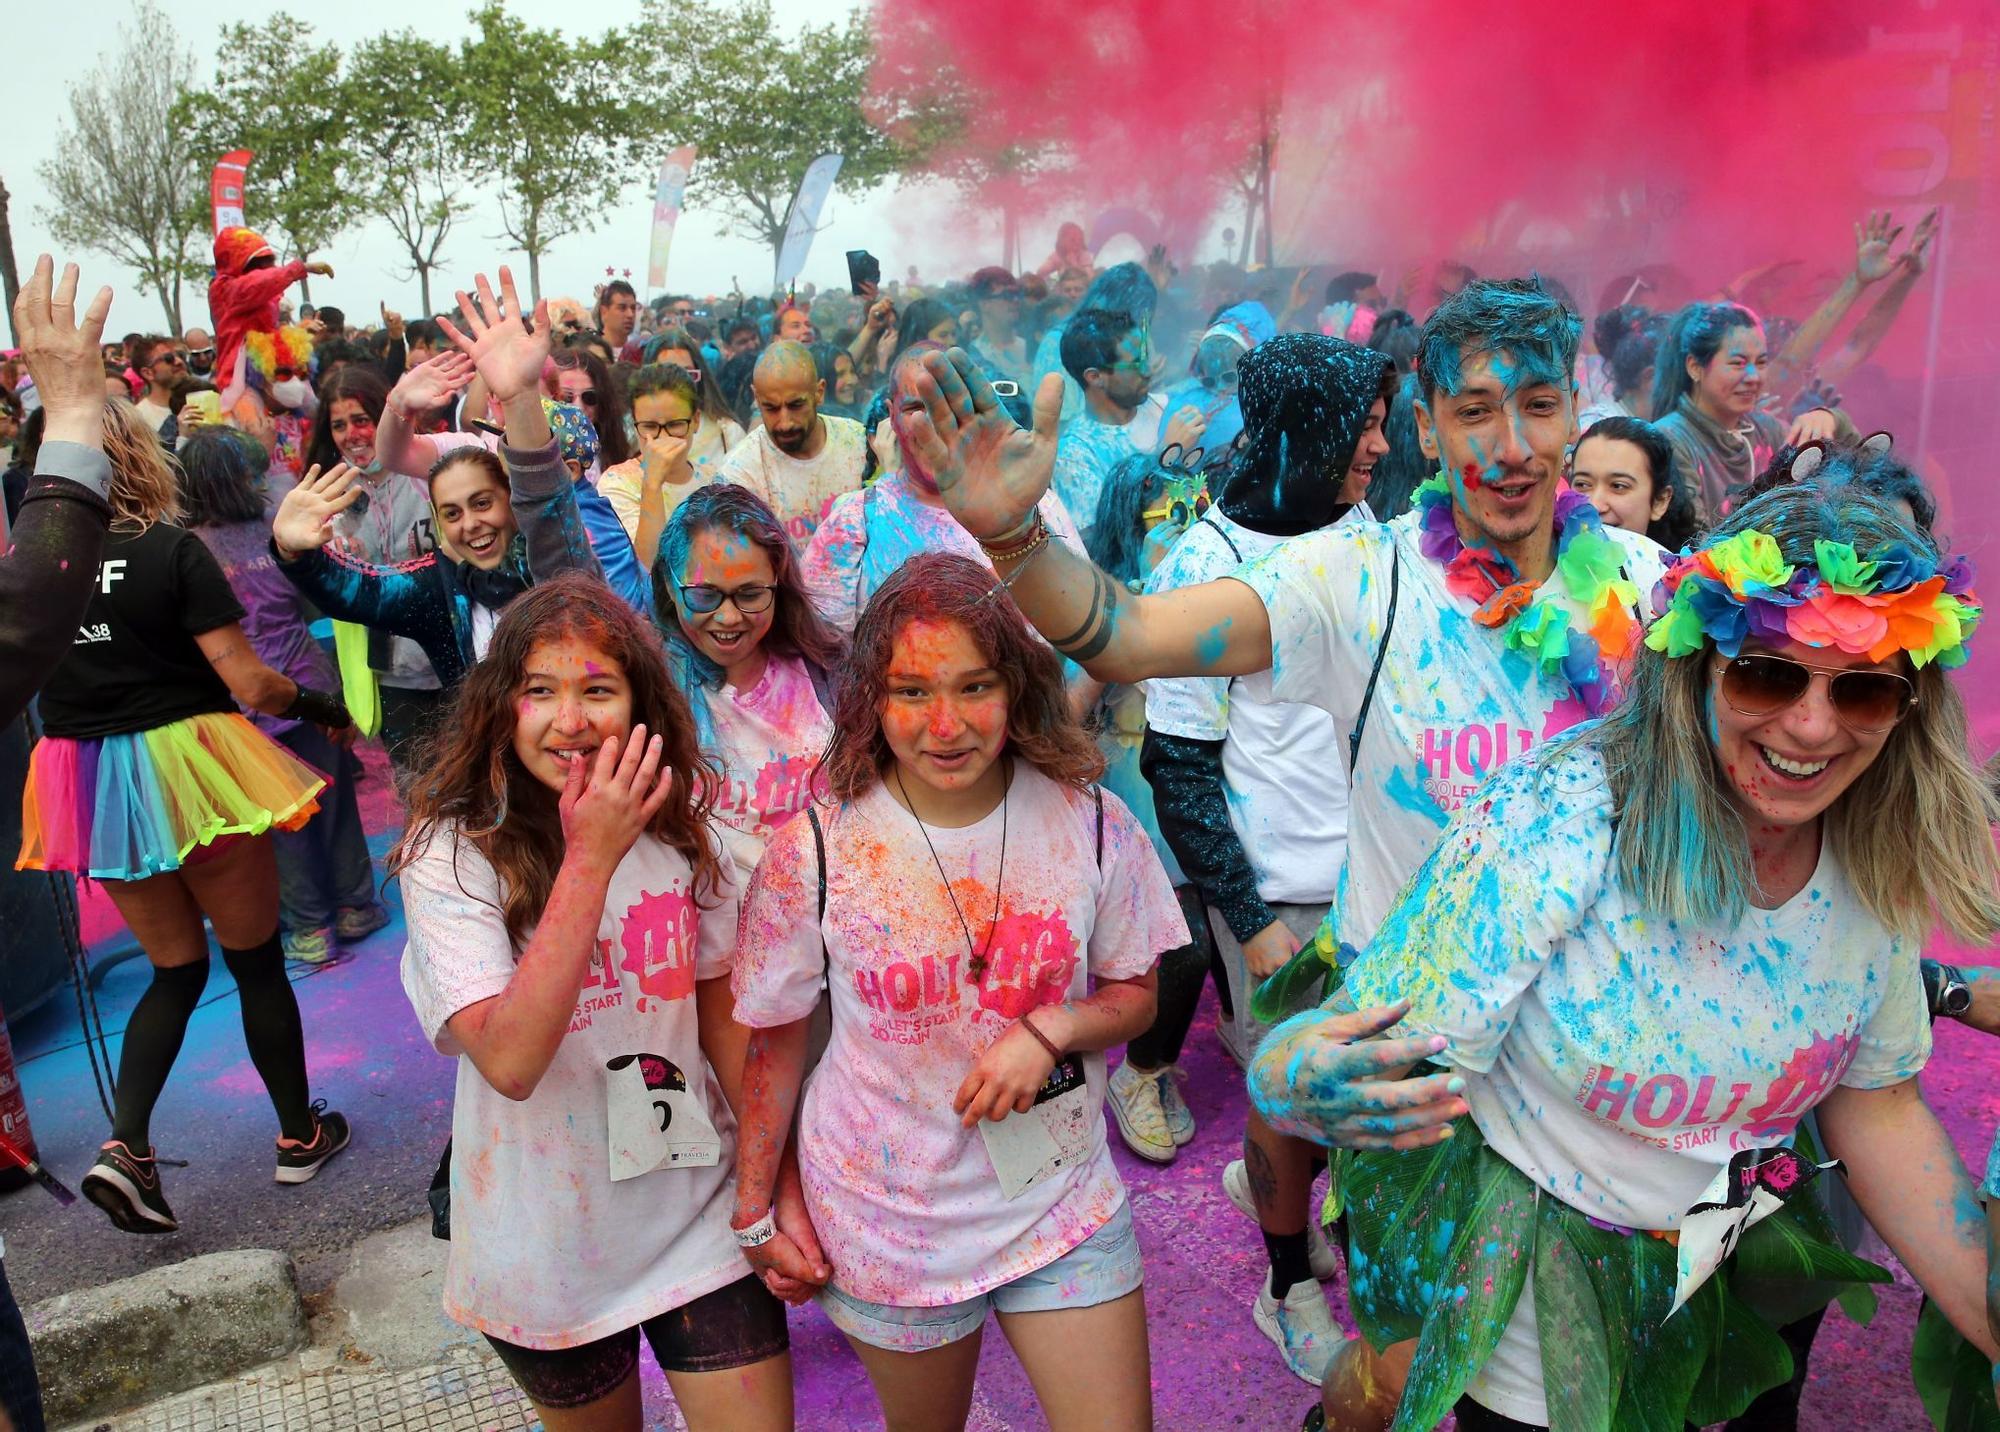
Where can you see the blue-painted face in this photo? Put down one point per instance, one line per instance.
(1500, 435)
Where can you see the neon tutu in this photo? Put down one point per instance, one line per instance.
(127, 807)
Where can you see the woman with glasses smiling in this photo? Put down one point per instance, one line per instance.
(681, 447)
(1642, 955)
(752, 655)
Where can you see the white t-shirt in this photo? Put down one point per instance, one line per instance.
(1090, 449)
(768, 737)
(799, 489)
(867, 535)
(1615, 1057)
(905, 1198)
(1285, 763)
(155, 414)
(546, 1250)
(1452, 702)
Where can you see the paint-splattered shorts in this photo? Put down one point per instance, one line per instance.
(1103, 1267)
(730, 1327)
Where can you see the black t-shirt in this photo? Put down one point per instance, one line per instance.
(135, 664)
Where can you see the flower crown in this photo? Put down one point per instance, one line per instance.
(1743, 588)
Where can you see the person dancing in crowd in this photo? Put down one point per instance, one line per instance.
(1769, 826)
(868, 535)
(572, 921)
(952, 1138)
(1252, 792)
(751, 654)
(326, 879)
(149, 780)
(1708, 384)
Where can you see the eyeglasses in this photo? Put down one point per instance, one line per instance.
(701, 600)
(672, 428)
(1759, 684)
(201, 352)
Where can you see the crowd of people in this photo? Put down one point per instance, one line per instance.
(1545, 748)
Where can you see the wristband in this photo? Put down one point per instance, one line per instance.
(1015, 539)
(1041, 1038)
(318, 708)
(758, 1233)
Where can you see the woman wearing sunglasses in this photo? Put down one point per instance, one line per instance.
(867, 535)
(1643, 954)
(585, 381)
(752, 656)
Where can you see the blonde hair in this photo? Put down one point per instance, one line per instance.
(1914, 831)
(143, 490)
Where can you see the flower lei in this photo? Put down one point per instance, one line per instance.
(1743, 588)
(1529, 617)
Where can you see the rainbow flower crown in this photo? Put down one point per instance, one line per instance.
(1742, 588)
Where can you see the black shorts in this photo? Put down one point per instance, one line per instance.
(731, 1327)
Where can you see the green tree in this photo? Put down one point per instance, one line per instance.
(280, 96)
(551, 124)
(412, 118)
(759, 106)
(126, 180)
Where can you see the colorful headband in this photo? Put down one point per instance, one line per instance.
(1743, 588)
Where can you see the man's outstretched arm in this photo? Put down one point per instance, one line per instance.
(992, 473)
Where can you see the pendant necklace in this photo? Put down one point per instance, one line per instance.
(975, 957)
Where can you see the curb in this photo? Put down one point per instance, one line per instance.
(164, 1331)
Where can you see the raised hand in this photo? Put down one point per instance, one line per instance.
(63, 355)
(1329, 1079)
(431, 384)
(1916, 258)
(392, 322)
(605, 812)
(1873, 238)
(508, 351)
(304, 520)
(990, 471)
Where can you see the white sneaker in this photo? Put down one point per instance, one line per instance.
(1319, 1253)
(1302, 1327)
(1180, 1118)
(1135, 1103)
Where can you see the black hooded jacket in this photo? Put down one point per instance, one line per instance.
(1305, 401)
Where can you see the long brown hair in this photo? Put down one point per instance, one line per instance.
(472, 780)
(358, 381)
(942, 587)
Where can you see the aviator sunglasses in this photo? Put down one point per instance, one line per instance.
(1760, 684)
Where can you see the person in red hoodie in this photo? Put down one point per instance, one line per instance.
(243, 305)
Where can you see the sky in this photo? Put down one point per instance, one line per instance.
(67, 41)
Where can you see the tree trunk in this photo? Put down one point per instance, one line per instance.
(534, 276)
(169, 304)
(424, 286)
(10, 278)
(1249, 232)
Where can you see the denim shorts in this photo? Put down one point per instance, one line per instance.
(1104, 1267)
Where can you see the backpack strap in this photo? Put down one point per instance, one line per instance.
(819, 849)
(1227, 540)
(1097, 795)
(1375, 671)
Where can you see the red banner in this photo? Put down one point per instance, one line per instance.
(225, 189)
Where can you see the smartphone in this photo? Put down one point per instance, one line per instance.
(864, 273)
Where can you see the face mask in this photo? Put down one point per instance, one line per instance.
(289, 392)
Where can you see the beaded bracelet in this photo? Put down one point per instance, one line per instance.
(1018, 541)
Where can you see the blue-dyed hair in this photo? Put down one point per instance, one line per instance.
(1515, 316)
(797, 629)
(1696, 332)
(1912, 833)
(876, 415)
(1091, 338)
(1123, 288)
(1118, 541)
(1400, 470)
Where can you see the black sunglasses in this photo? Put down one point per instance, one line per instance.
(1760, 684)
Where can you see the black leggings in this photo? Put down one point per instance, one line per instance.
(1181, 974)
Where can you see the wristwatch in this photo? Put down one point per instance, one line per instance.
(1946, 990)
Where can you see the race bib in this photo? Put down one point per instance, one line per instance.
(1054, 1134)
(1755, 1184)
(654, 1119)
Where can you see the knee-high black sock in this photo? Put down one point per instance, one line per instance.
(271, 1028)
(152, 1040)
